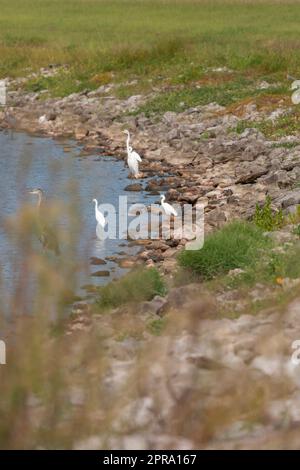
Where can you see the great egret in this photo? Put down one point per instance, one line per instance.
(133, 157)
(42, 119)
(296, 95)
(99, 216)
(46, 235)
(169, 210)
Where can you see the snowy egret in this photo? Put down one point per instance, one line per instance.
(133, 158)
(169, 210)
(46, 234)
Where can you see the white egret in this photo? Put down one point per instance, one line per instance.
(296, 95)
(46, 234)
(133, 158)
(168, 209)
(98, 214)
(42, 119)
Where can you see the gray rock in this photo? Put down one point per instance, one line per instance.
(154, 306)
(134, 187)
(290, 198)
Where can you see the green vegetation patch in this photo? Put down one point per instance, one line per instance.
(156, 327)
(137, 286)
(224, 94)
(236, 245)
(287, 124)
(266, 219)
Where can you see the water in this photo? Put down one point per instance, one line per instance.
(28, 162)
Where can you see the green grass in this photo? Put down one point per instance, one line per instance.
(271, 266)
(137, 286)
(286, 145)
(224, 94)
(237, 245)
(287, 124)
(156, 327)
(296, 230)
(158, 39)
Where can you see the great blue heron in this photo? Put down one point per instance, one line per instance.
(168, 209)
(133, 157)
(10, 121)
(46, 234)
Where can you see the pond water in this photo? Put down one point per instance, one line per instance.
(28, 162)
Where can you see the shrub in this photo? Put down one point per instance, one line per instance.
(266, 219)
(137, 286)
(296, 230)
(237, 245)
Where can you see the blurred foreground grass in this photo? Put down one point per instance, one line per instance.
(67, 384)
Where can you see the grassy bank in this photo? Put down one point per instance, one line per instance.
(164, 40)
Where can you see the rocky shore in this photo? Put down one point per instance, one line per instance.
(229, 172)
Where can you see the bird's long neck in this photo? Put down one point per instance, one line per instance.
(163, 199)
(96, 206)
(39, 202)
(127, 142)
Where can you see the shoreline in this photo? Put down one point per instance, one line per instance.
(205, 160)
(214, 162)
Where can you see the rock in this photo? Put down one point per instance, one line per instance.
(170, 253)
(154, 306)
(101, 274)
(216, 217)
(126, 263)
(203, 362)
(133, 102)
(280, 177)
(144, 255)
(97, 261)
(51, 116)
(150, 263)
(153, 185)
(134, 187)
(170, 117)
(177, 297)
(252, 151)
(159, 245)
(173, 134)
(252, 175)
(290, 198)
